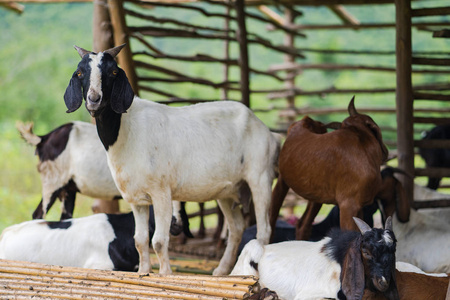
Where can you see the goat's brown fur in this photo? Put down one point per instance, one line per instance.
(415, 286)
(340, 167)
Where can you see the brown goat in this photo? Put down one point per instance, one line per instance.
(412, 285)
(340, 167)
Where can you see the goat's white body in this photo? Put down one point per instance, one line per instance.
(294, 270)
(34, 241)
(424, 241)
(84, 161)
(425, 194)
(194, 153)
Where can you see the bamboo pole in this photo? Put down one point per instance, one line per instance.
(113, 284)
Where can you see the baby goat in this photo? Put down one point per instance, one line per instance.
(340, 266)
(71, 160)
(340, 167)
(100, 241)
(157, 153)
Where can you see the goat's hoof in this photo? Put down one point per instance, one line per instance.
(144, 274)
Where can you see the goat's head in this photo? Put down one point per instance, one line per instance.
(370, 262)
(364, 122)
(392, 195)
(312, 125)
(100, 82)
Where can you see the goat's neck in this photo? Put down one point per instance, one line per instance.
(108, 125)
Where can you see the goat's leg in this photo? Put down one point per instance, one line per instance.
(304, 225)
(162, 206)
(202, 229)
(235, 222)
(348, 210)
(279, 193)
(261, 192)
(141, 237)
(68, 204)
(433, 182)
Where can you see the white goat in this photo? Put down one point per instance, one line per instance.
(71, 160)
(158, 153)
(343, 264)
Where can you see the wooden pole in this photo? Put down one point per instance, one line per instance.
(226, 67)
(243, 51)
(125, 57)
(404, 95)
(289, 40)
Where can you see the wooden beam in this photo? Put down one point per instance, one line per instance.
(431, 120)
(432, 172)
(365, 26)
(444, 33)
(243, 51)
(125, 58)
(344, 15)
(430, 61)
(432, 144)
(271, 14)
(430, 11)
(431, 96)
(404, 96)
(432, 204)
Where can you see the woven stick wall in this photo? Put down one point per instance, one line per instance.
(25, 280)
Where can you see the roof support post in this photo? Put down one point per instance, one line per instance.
(243, 51)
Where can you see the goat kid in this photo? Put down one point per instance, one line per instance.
(71, 160)
(413, 283)
(340, 266)
(194, 153)
(100, 241)
(340, 167)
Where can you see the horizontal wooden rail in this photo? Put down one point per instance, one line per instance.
(433, 172)
(431, 203)
(431, 144)
(431, 96)
(431, 120)
(443, 62)
(430, 11)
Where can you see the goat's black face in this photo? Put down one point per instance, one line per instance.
(378, 253)
(101, 83)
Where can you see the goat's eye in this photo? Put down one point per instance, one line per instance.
(366, 254)
(115, 72)
(79, 73)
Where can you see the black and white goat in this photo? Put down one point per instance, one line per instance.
(71, 160)
(100, 241)
(157, 153)
(340, 266)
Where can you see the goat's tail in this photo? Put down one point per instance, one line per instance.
(249, 259)
(26, 131)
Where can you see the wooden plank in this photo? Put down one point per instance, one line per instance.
(365, 26)
(404, 97)
(444, 33)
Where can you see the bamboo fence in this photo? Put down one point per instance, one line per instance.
(19, 280)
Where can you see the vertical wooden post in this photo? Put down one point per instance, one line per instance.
(243, 51)
(125, 57)
(404, 94)
(226, 67)
(101, 27)
(289, 41)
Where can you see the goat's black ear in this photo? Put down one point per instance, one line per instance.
(352, 273)
(122, 94)
(73, 96)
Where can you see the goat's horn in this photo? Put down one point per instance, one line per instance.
(351, 107)
(81, 51)
(400, 171)
(114, 51)
(388, 224)
(363, 226)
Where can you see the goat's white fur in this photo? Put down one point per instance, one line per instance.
(84, 160)
(194, 153)
(297, 270)
(407, 267)
(65, 247)
(424, 193)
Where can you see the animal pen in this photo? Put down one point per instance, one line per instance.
(161, 47)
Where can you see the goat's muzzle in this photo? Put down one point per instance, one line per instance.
(93, 103)
(381, 283)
